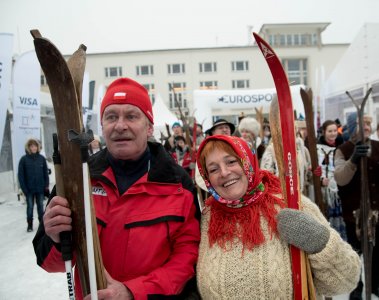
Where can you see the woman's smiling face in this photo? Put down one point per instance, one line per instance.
(226, 174)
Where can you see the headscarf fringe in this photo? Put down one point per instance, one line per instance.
(227, 223)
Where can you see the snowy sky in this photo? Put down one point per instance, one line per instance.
(120, 25)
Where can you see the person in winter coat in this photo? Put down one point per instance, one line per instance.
(268, 162)
(246, 232)
(249, 129)
(348, 177)
(146, 207)
(326, 147)
(33, 178)
(181, 154)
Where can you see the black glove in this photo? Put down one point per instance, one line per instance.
(360, 150)
(302, 230)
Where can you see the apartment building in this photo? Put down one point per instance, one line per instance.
(177, 73)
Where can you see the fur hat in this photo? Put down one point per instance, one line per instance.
(128, 91)
(251, 125)
(32, 141)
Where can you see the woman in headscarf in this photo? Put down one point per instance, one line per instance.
(246, 230)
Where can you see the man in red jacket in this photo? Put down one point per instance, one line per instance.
(146, 206)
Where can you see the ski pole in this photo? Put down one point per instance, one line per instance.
(65, 236)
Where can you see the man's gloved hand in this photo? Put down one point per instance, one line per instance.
(302, 230)
(360, 150)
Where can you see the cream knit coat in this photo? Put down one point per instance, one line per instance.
(265, 272)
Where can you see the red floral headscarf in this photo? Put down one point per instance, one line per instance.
(250, 167)
(241, 218)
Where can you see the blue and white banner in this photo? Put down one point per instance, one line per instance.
(26, 103)
(6, 48)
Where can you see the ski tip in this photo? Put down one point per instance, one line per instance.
(35, 33)
(256, 35)
(82, 47)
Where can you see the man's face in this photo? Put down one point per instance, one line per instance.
(126, 130)
(177, 130)
(367, 128)
(222, 129)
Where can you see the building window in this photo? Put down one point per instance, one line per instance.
(113, 72)
(240, 84)
(151, 90)
(43, 80)
(145, 70)
(211, 85)
(296, 70)
(296, 39)
(177, 95)
(304, 39)
(271, 39)
(314, 39)
(240, 66)
(207, 67)
(289, 39)
(176, 69)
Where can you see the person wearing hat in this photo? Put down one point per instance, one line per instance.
(249, 129)
(181, 154)
(221, 126)
(177, 130)
(33, 178)
(247, 230)
(348, 175)
(146, 207)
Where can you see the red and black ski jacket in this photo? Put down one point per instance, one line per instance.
(149, 235)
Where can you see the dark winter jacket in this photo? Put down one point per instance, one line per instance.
(33, 173)
(350, 193)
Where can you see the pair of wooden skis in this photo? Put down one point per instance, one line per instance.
(65, 81)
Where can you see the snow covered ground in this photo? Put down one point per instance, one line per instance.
(21, 278)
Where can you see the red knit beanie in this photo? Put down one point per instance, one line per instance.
(128, 91)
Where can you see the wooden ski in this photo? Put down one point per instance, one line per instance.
(64, 89)
(367, 221)
(307, 97)
(288, 157)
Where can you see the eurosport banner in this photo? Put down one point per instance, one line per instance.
(26, 104)
(6, 49)
(205, 101)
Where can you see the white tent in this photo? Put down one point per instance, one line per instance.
(162, 116)
(356, 71)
